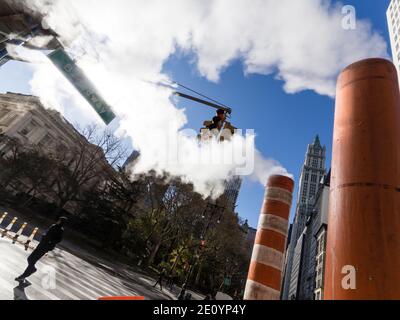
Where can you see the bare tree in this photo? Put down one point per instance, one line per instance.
(88, 165)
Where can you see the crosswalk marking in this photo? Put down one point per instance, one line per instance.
(63, 277)
(75, 278)
(12, 284)
(80, 287)
(63, 286)
(107, 289)
(88, 273)
(80, 277)
(106, 282)
(91, 283)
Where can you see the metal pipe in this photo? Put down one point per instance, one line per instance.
(363, 246)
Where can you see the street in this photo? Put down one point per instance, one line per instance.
(63, 276)
(70, 272)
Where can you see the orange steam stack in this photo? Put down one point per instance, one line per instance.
(363, 246)
(265, 275)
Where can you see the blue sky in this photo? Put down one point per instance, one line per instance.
(284, 123)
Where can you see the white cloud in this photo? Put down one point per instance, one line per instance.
(122, 44)
(24, 54)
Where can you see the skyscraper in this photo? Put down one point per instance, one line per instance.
(309, 281)
(231, 193)
(313, 171)
(319, 235)
(393, 18)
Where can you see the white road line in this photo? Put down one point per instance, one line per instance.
(100, 277)
(35, 287)
(95, 291)
(83, 276)
(39, 284)
(111, 284)
(57, 266)
(97, 279)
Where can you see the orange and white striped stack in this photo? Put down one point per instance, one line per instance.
(264, 280)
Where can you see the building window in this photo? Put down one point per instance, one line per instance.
(321, 243)
(3, 112)
(46, 142)
(28, 129)
(9, 119)
(315, 162)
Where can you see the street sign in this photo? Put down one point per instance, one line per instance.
(227, 281)
(78, 79)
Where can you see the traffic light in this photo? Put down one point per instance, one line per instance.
(214, 129)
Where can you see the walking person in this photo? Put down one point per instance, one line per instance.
(182, 294)
(172, 281)
(160, 279)
(50, 239)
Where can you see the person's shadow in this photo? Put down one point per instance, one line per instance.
(19, 291)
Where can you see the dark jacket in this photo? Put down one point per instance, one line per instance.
(52, 237)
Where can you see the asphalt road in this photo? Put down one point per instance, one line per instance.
(70, 272)
(64, 276)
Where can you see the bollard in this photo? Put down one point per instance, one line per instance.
(265, 273)
(9, 227)
(15, 238)
(3, 217)
(30, 239)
